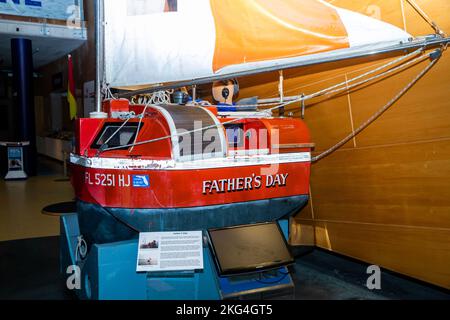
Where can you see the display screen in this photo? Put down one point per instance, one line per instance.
(249, 248)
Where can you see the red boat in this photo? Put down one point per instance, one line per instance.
(167, 167)
(172, 167)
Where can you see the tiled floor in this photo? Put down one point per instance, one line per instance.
(21, 203)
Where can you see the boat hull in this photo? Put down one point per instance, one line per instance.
(100, 224)
(118, 198)
(184, 187)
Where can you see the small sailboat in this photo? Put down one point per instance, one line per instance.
(162, 166)
(238, 171)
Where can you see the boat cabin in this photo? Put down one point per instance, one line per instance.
(184, 133)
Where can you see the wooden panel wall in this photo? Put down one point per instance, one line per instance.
(384, 197)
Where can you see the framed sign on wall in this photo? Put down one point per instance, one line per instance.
(50, 9)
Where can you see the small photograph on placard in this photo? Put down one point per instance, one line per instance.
(146, 243)
(148, 259)
(15, 164)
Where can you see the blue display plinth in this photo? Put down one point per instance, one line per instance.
(109, 273)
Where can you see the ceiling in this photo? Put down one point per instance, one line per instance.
(45, 50)
(49, 42)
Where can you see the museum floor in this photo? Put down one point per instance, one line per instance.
(29, 268)
(22, 201)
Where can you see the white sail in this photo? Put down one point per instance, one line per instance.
(151, 42)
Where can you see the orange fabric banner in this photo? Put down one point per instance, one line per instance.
(258, 30)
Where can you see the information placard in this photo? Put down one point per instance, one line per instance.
(15, 154)
(15, 159)
(170, 251)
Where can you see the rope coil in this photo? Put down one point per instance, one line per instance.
(81, 249)
(158, 97)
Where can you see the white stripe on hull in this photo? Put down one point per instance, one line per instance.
(238, 161)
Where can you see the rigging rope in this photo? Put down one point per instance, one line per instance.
(297, 88)
(141, 116)
(108, 93)
(423, 14)
(344, 84)
(379, 112)
(385, 73)
(333, 89)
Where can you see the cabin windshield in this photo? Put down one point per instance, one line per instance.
(111, 139)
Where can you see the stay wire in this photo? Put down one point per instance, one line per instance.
(377, 114)
(333, 89)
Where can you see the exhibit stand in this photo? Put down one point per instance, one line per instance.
(15, 160)
(109, 272)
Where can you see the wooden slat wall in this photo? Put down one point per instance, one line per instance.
(384, 197)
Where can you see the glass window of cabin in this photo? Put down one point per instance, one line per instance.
(112, 138)
(235, 135)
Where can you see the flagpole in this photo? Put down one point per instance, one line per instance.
(71, 89)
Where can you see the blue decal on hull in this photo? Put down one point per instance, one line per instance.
(141, 181)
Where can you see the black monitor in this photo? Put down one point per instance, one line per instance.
(249, 248)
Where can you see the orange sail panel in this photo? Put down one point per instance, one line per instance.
(258, 30)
